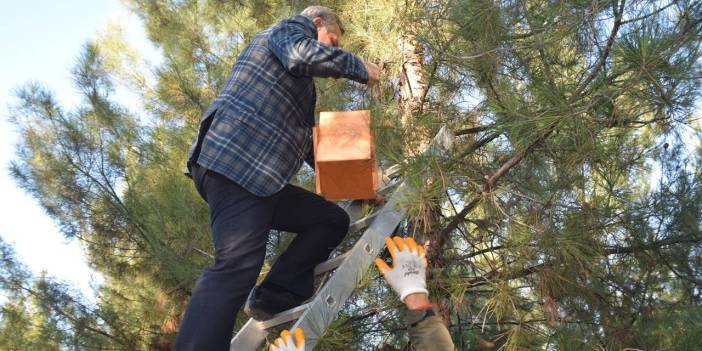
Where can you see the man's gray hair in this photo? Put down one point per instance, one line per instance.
(328, 16)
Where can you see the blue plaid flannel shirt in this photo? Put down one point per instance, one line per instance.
(258, 131)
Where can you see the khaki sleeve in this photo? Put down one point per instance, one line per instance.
(430, 335)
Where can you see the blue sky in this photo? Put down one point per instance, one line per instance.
(40, 41)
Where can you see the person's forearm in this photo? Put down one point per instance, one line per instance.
(417, 301)
(426, 330)
(408, 278)
(302, 55)
(430, 334)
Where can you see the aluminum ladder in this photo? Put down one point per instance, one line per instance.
(315, 316)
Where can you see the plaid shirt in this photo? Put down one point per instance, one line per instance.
(257, 132)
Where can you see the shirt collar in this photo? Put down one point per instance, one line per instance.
(307, 23)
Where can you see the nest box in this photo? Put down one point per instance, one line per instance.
(344, 156)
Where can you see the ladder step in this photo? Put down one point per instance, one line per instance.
(384, 189)
(330, 264)
(391, 171)
(249, 337)
(253, 333)
(363, 222)
(284, 317)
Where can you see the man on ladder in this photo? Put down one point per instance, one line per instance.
(251, 142)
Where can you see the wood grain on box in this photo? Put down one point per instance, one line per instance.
(344, 155)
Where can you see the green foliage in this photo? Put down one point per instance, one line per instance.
(39, 313)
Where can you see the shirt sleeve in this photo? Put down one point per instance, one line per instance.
(302, 55)
(430, 334)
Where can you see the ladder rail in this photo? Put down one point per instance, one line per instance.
(325, 306)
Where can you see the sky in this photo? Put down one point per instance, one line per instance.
(41, 41)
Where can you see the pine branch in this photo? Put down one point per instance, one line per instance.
(485, 279)
(73, 319)
(618, 250)
(478, 144)
(514, 160)
(470, 130)
(423, 98)
(618, 12)
(435, 251)
(480, 252)
(544, 62)
(652, 13)
(459, 217)
(613, 250)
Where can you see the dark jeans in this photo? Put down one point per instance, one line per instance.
(240, 224)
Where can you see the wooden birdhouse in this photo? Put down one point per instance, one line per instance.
(344, 156)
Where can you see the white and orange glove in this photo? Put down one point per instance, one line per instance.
(408, 273)
(285, 341)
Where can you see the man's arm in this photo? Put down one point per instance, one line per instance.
(408, 278)
(426, 330)
(302, 55)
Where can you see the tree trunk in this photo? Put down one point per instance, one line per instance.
(413, 81)
(414, 86)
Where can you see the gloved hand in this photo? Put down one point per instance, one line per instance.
(408, 274)
(285, 341)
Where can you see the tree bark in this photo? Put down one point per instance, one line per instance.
(413, 81)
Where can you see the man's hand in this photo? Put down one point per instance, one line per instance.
(408, 274)
(373, 73)
(285, 341)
